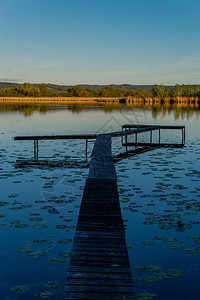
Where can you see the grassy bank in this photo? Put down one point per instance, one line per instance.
(128, 100)
(60, 99)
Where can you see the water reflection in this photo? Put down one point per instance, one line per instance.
(25, 109)
(157, 110)
(157, 190)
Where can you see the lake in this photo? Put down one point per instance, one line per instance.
(157, 189)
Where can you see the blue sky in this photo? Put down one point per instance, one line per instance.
(100, 41)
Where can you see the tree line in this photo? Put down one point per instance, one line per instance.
(29, 90)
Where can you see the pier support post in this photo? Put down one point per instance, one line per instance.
(126, 143)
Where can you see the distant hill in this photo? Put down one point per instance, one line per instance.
(6, 84)
(96, 87)
(121, 86)
(62, 88)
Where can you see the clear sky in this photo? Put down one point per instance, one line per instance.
(100, 41)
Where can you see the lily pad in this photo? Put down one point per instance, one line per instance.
(40, 241)
(129, 248)
(20, 289)
(16, 208)
(21, 225)
(145, 296)
(193, 250)
(35, 219)
(174, 273)
(61, 241)
(193, 237)
(151, 278)
(134, 278)
(164, 238)
(44, 294)
(39, 226)
(6, 225)
(45, 206)
(179, 187)
(166, 225)
(24, 249)
(61, 226)
(149, 243)
(56, 260)
(176, 247)
(3, 203)
(183, 227)
(64, 254)
(52, 284)
(13, 195)
(197, 241)
(155, 277)
(148, 268)
(15, 222)
(68, 220)
(36, 254)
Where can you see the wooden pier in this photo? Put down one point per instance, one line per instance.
(99, 266)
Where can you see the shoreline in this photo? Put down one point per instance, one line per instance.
(121, 100)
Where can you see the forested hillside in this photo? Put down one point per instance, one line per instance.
(48, 90)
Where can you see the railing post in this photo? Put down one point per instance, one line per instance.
(151, 137)
(126, 143)
(136, 141)
(36, 149)
(184, 135)
(86, 146)
(159, 136)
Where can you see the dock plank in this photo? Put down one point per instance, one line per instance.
(99, 266)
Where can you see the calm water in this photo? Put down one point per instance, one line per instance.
(157, 190)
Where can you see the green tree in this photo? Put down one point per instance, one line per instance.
(159, 92)
(177, 92)
(109, 91)
(44, 91)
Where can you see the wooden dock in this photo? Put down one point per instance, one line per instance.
(99, 266)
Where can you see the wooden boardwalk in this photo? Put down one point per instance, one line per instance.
(99, 266)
